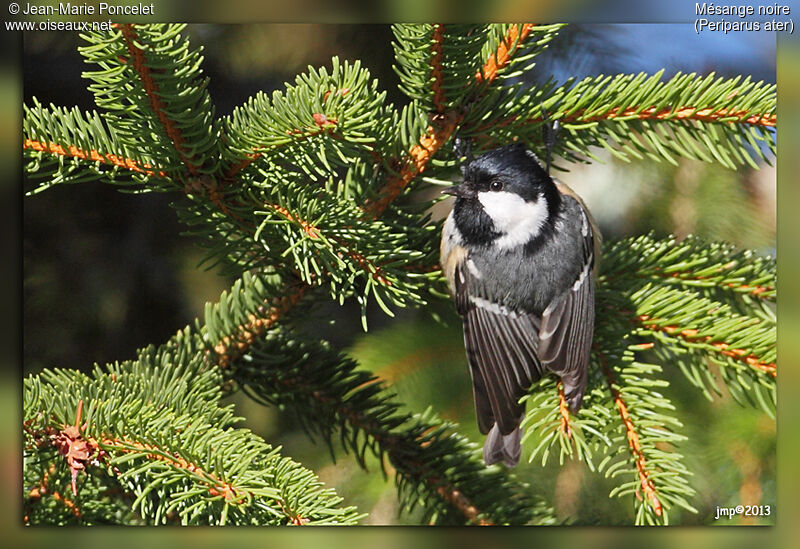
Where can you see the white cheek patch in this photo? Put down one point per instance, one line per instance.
(517, 220)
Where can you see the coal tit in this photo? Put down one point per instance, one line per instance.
(518, 251)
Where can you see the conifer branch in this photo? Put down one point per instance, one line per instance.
(716, 270)
(335, 116)
(314, 233)
(235, 168)
(324, 127)
(436, 69)
(549, 423)
(81, 451)
(210, 188)
(679, 113)
(398, 449)
(419, 155)
(508, 46)
(683, 326)
(152, 92)
(69, 146)
(92, 155)
(155, 423)
(149, 77)
(563, 410)
(645, 482)
(444, 123)
(691, 336)
(652, 113)
(712, 314)
(427, 456)
(233, 346)
(331, 395)
(310, 230)
(689, 277)
(642, 422)
(730, 121)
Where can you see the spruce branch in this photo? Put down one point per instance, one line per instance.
(440, 125)
(716, 269)
(721, 312)
(658, 296)
(550, 426)
(150, 78)
(730, 121)
(342, 119)
(435, 467)
(621, 410)
(435, 61)
(68, 146)
(155, 426)
(660, 478)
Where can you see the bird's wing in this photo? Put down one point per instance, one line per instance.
(501, 348)
(567, 326)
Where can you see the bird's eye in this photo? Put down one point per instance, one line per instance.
(496, 186)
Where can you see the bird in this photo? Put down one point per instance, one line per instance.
(519, 252)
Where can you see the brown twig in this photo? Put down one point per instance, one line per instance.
(691, 336)
(563, 410)
(232, 347)
(463, 504)
(759, 291)
(681, 113)
(216, 486)
(507, 47)
(419, 155)
(43, 489)
(151, 90)
(755, 290)
(645, 482)
(436, 69)
(652, 113)
(95, 156)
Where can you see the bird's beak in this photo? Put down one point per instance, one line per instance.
(461, 190)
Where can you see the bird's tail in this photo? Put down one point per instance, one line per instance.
(505, 448)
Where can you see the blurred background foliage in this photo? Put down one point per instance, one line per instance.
(105, 273)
